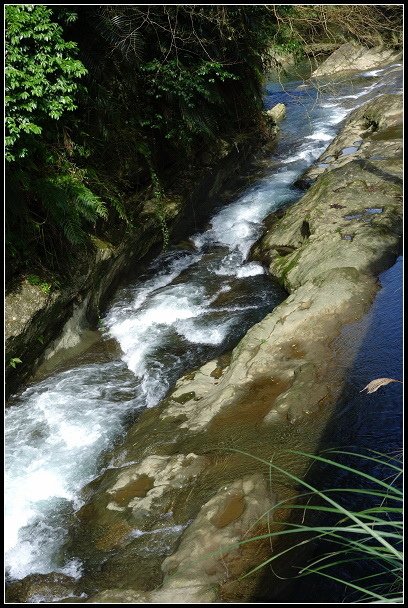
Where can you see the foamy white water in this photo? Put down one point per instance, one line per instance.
(320, 136)
(190, 306)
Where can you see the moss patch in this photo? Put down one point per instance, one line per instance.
(103, 245)
(190, 376)
(217, 373)
(283, 265)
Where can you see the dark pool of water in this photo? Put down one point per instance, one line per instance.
(361, 423)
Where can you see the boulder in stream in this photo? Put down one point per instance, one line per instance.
(278, 112)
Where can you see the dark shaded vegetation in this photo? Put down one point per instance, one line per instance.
(109, 107)
(154, 89)
(367, 24)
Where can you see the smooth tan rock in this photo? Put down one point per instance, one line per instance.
(21, 306)
(278, 112)
(354, 57)
(206, 546)
(118, 596)
(163, 473)
(194, 571)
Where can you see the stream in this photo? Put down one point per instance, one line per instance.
(194, 303)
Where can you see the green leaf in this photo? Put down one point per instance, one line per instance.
(13, 362)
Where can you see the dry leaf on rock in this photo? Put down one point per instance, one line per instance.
(374, 385)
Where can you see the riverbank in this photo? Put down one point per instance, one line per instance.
(359, 424)
(42, 318)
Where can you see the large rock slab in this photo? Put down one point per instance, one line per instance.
(176, 497)
(354, 57)
(209, 549)
(371, 134)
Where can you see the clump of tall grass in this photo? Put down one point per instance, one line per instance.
(370, 536)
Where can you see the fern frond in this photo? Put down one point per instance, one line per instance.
(70, 204)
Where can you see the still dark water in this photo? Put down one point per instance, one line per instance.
(361, 423)
(375, 420)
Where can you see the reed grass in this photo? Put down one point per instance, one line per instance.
(370, 535)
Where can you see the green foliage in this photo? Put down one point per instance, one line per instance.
(45, 287)
(69, 203)
(163, 84)
(48, 198)
(14, 362)
(41, 75)
(191, 75)
(186, 88)
(98, 182)
(161, 87)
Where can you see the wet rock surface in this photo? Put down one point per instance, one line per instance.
(371, 135)
(40, 323)
(41, 588)
(281, 374)
(209, 548)
(278, 112)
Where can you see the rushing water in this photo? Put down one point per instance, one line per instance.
(191, 305)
